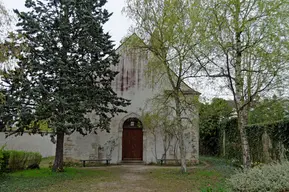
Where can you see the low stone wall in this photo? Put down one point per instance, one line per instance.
(26, 142)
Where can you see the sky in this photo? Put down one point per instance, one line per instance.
(117, 25)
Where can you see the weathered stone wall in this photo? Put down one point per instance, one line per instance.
(131, 83)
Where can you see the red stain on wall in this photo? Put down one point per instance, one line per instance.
(122, 79)
(138, 75)
(127, 77)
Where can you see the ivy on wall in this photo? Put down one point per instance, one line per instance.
(269, 139)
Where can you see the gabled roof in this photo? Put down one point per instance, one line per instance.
(188, 91)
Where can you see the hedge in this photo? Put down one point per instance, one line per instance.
(277, 139)
(11, 160)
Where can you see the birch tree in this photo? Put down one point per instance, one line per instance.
(168, 30)
(5, 22)
(247, 45)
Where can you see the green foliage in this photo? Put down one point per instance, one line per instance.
(212, 117)
(5, 162)
(1, 160)
(5, 47)
(268, 111)
(18, 160)
(267, 178)
(267, 116)
(278, 134)
(169, 32)
(65, 73)
(245, 46)
(233, 141)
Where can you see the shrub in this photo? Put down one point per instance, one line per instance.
(269, 178)
(5, 161)
(18, 160)
(1, 160)
(33, 158)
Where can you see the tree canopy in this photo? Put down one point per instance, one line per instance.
(65, 73)
(246, 43)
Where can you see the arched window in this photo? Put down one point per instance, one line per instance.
(132, 123)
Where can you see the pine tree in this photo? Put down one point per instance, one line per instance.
(65, 72)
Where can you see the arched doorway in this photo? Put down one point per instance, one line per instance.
(132, 140)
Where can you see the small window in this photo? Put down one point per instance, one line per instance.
(132, 123)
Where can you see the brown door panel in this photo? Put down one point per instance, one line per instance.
(132, 144)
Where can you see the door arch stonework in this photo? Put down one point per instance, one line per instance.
(120, 136)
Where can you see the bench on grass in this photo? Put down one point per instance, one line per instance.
(96, 160)
(163, 161)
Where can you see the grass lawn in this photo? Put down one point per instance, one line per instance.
(38, 180)
(197, 179)
(118, 178)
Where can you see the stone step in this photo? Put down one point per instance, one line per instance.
(132, 162)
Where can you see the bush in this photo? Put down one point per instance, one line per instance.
(5, 161)
(269, 178)
(1, 160)
(33, 158)
(18, 160)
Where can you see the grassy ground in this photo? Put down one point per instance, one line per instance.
(46, 162)
(39, 180)
(119, 178)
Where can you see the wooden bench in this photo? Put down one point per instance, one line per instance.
(96, 160)
(162, 161)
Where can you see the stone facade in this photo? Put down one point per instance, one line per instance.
(131, 83)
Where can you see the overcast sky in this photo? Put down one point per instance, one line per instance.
(117, 25)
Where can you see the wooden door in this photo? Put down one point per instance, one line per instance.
(132, 144)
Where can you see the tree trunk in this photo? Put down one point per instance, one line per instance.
(224, 142)
(239, 83)
(164, 156)
(58, 161)
(181, 136)
(183, 153)
(242, 122)
(155, 141)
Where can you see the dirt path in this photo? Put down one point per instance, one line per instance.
(135, 178)
(132, 179)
